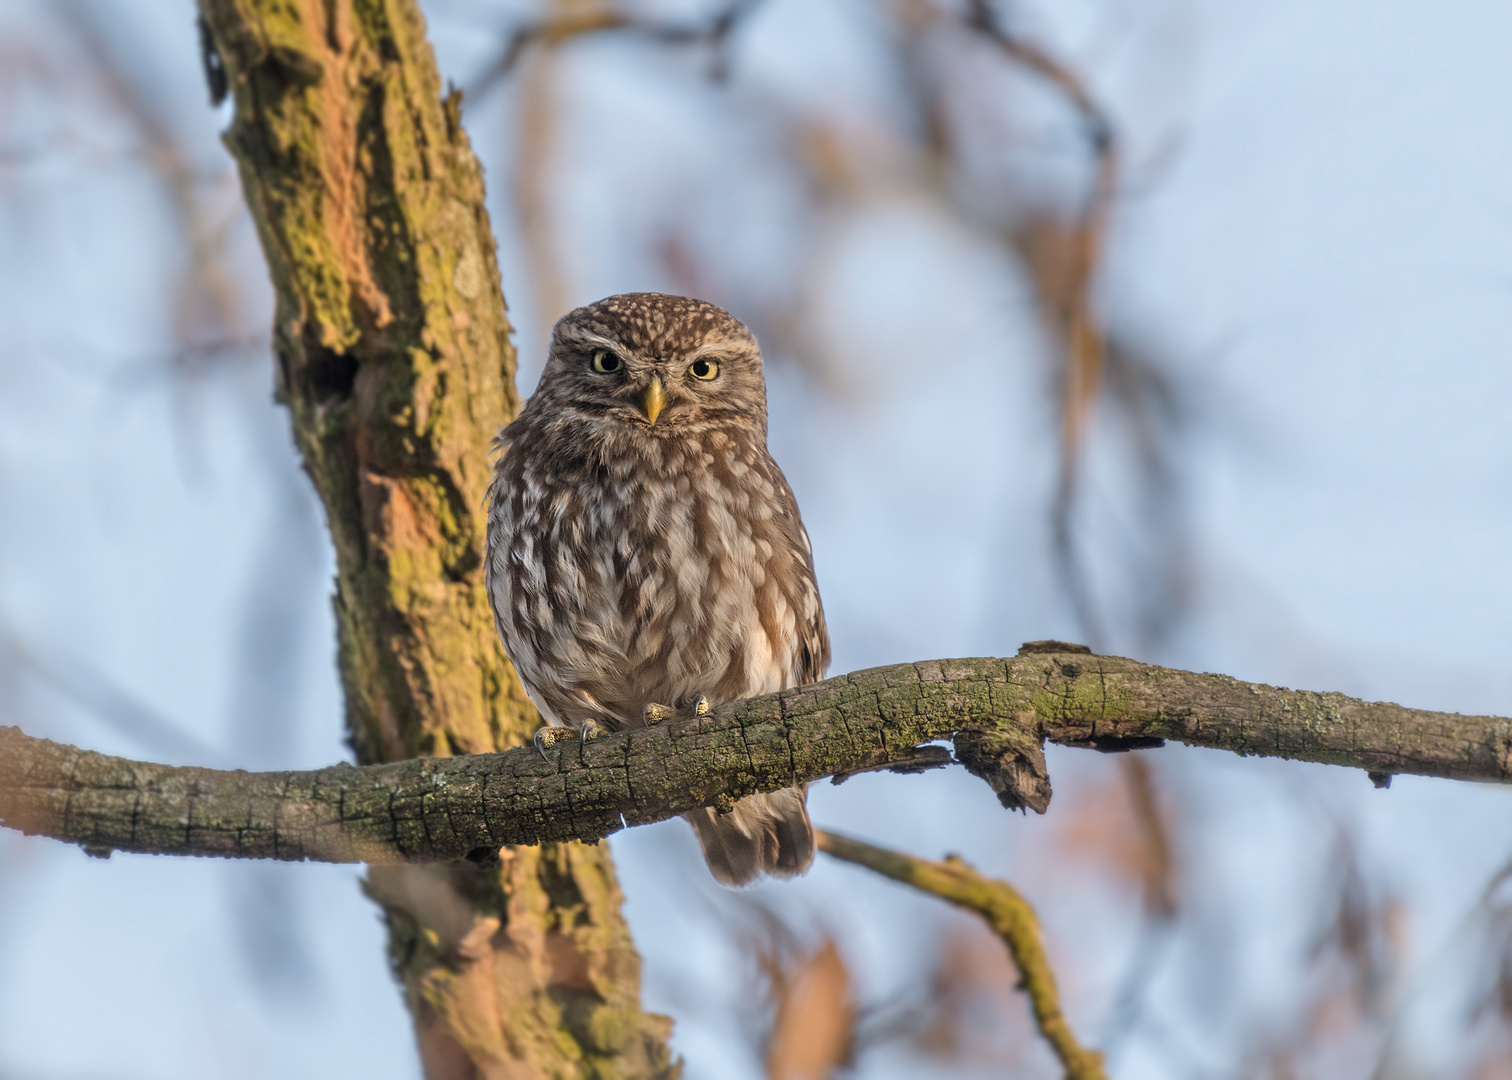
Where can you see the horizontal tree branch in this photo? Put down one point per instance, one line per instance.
(998, 711)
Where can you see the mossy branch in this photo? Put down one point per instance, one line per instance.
(1007, 914)
(997, 710)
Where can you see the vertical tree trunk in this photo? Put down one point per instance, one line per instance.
(394, 359)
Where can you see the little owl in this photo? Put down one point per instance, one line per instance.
(645, 554)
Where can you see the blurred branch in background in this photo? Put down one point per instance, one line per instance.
(102, 61)
(1336, 1023)
(819, 1019)
(1011, 918)
(969, 1010)
(530, 166)
(1156, 413)
(270, 658)
(206, 322)
(1359, 945)
(953, 121)
(206, 310)
(1488, 1019)
(1066, 257)
(945, 130)
(577, 18)
(1151, 860)
(535, 47)
(811, 1038)
(812, 1035)
(75, 680)
(1479, 1012)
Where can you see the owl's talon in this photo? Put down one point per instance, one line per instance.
(653, 713)
(549, 736)
(589, 729)
(702, 707)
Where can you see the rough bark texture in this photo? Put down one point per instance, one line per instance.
(395, 362)
(463, 808)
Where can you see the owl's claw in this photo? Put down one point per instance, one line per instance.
(653, 713)
(549, 736)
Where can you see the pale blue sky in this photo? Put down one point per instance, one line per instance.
(1319, 236)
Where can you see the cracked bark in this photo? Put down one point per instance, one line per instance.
(462, 808)
(393, 356)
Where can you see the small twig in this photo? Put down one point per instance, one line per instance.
(164, 153)
(1431, 971)
(1008, 914)
(1159, 861)
(1084, 335)
(539, 120)
(713, 32)
(550, 33)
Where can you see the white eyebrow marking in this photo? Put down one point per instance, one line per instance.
(729, 349)
(577, 335)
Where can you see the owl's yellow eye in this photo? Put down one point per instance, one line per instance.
(606, 362)
(704, 369)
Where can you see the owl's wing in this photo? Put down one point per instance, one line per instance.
(811, 657)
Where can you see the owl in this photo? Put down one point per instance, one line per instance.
(646, 558)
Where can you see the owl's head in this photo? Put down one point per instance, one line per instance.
(656, 364)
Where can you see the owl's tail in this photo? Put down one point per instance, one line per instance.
(767, 833)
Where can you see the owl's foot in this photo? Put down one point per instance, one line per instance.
(552, 734)
(652, 713)
(549, 736)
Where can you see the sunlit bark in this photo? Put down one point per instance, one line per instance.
(394, 358)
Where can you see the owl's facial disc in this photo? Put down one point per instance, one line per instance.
(657, 366)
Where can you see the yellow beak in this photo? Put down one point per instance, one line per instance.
(654, 400)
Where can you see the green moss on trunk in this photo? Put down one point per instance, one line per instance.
(394, 360)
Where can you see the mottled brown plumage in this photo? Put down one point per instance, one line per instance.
(646, 551)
